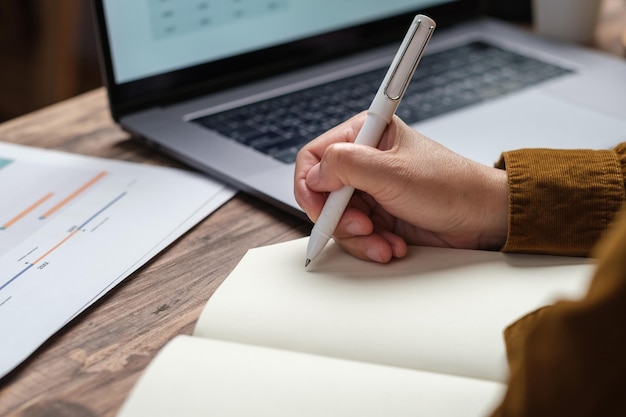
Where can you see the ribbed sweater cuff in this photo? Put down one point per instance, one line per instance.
(560, 201)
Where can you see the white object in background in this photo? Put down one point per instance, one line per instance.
(567, 20)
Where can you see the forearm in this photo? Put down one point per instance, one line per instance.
(562, 201)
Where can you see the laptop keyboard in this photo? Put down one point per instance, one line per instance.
(444, 81)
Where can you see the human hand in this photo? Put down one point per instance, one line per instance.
(410, 191)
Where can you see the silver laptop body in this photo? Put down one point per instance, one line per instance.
(584, 106)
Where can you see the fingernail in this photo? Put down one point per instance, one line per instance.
(354, 228)
(373, 254)
(313, 177)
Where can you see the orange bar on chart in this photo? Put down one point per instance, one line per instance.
(55, 247)
(74, 195)
(25, 212)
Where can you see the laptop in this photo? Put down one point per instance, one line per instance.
(234, 88)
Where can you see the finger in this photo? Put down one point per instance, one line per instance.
(311, 154)
(353, 222)
(377, 247)
(311, 202)
(309, 157)
(344, 132)
(371, 247)
(362, 167)
(397, 244)
(374, 247)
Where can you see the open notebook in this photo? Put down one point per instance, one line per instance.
(419, 336)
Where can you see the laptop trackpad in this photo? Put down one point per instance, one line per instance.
(527, 120)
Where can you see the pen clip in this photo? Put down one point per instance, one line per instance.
(392, 91)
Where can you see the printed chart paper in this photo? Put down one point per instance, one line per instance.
(72, 227)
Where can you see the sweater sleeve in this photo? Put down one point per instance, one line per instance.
(562, 201)
(567, 359)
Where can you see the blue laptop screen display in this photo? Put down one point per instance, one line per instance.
(151, 37)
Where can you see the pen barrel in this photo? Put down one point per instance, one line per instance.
(329, 218)
(408, 57)
(378, 117)
(373, 127)
(403, 67)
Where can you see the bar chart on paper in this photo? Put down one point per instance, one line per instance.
(72, 227)
(35, 194)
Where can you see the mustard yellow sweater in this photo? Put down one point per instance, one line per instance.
(569, 358)
(562, 201)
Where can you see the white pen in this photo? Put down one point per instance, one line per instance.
(379, 115)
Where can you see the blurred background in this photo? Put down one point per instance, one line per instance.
(47, 53)
(48, 49)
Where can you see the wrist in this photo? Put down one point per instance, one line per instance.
(494, 212)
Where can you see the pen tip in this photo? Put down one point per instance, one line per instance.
(307, 262)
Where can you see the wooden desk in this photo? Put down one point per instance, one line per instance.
(88, 368)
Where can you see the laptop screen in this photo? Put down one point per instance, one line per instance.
(156, 36)
(159, 51)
